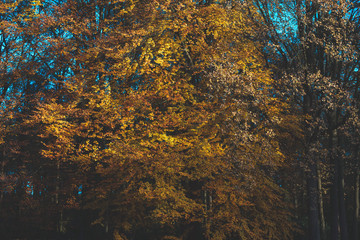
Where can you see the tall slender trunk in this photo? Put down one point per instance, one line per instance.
(335, 208)
(321, 204)
(342, 204)
(311, 179)
(57, 187)
(2, 175)
(206, 205)
(334, 234)
(61, 222)
(313, 194)
(60, 227)
(208, 201)
(357, 206)
(296, 205)
(2, 185)
(107, 214)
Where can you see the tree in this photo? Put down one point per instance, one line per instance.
(147, 119)
(154, 119)
(318, 53)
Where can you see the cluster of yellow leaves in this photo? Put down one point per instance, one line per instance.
(141, 121)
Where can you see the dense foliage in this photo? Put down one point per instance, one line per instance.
(179, 119)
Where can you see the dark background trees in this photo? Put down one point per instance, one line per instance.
(314, 48)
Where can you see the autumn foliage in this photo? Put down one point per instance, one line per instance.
(135, 119)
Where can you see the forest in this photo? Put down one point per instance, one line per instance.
(180, 119)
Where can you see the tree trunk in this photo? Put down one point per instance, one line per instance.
(342, 205)
(57, 187)
(334, 234)
(312, 181)
(313, 194)
(3, 176)
(107, 217)
(321, 204)
(335, 208)
(61, 222)
(206, 225)
(357, 206)
(60, 227)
